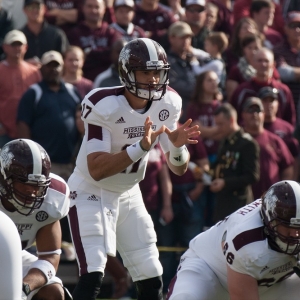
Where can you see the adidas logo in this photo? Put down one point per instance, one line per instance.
(92, 198)
(121, 120)
(178, 158)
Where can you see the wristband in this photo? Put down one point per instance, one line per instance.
(57, 252)
(135, 151)
(45, 267)
(178, 156)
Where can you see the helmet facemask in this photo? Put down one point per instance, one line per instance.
(24, 175)
(144, 55)
(280, 214)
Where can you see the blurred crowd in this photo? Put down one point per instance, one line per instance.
(236, 65)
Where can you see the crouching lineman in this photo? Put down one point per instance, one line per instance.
(252, 254)
(35, 200)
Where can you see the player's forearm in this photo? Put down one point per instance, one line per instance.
(178, 170)
(35, 279)
(103, 165)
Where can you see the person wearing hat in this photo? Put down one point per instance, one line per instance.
(46, 114)
(17, 77)
(124, 14)
(180, 57)
(263, 63)
(195, 15)
(94, 36)
(287, 54)
(276, 160)
(41, 36)
(236, 166)
(269, 98)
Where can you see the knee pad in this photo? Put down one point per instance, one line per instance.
(88, 286)
(150, 289)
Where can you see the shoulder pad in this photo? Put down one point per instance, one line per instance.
(57, 199)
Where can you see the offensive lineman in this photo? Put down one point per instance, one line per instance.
(121, 125)
(35, 200)
(252, 254)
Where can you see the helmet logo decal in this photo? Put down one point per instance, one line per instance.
(6, 160)
(272, 200)
(41, 216)
(124, 57)
(164, 115)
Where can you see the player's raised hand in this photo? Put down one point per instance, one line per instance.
(150, 135)
(183, 134)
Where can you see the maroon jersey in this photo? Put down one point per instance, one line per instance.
(150, 186)
(96, 43)
(273, 38)
(236, 74)
(250, 88)
(274, 158)
(285, 131)
(205, 114)
(132, 32)
(156, 22)
(61, 4)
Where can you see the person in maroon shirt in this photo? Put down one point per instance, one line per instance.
(124, 14)
(287, 55)
(94, 37)
(276, 161)
(62, 13)
(264, 65)
(283, 129)
(262, 12)
(243, 28)
(154, 19)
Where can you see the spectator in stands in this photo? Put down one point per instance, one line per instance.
(225, 18)
(264, 64)
(72, 73)
(289, 5)
(287, 55)
(243, 70)
(154, 19)
(181, 74)
(241, 9)
(269, 98)
(41, 37)
(236, 166)
(275, 158)
(176, 9)
(204, 102)
(62, 13)
(243, 28)
(195, 14)
(110, 77)
(211, 16)
(94, 37)
(17, 76)
(6, 25)
(124, 14)
(262, 12)
(46, 114)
